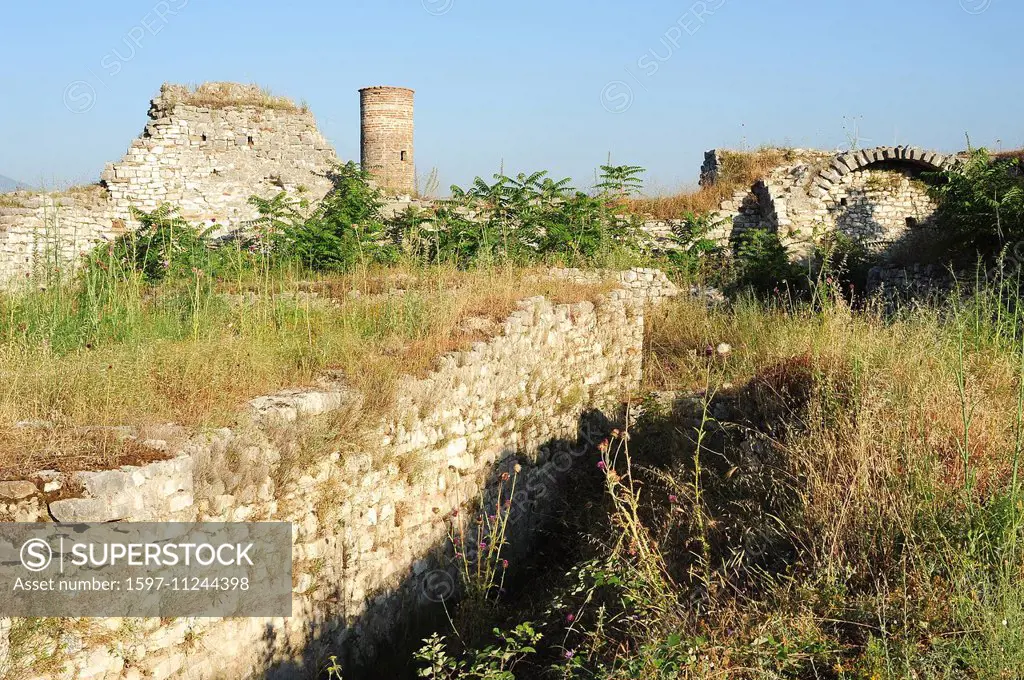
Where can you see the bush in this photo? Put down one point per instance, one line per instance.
(345, 229)
(164, 245)
(981, 201)
(762, 263)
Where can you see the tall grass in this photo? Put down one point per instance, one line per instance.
(110, 349)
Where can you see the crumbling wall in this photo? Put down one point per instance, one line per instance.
(875, 197)
(208, 158)
(368, 517)
(204, 151)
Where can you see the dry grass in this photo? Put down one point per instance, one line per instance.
(370, 327)
(885, 484)
(739, 170)
(224, 95)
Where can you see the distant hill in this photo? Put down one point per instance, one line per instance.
(8, 184)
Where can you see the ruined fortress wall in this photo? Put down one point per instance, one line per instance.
(204, 151)
(875, 197)
(43, 233)
(387, 137)
(209, 159)
(369, 522)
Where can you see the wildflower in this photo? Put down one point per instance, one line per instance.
(603, 446)
(601, 465)
(455, 513)
(615, 433)
(569, 618)
(724, 349)
(504, 564)
(504, 476)
(568, 654)
(672, 498)
(483, 545)
(709, 350)
(518, 468)
(492, 518)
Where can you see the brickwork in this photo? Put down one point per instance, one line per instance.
(387, 137)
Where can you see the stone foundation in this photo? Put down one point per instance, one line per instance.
(368, 512)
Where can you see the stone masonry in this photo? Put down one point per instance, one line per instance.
(369, 520)
(875, 196)
(208, 160)
(204, 151)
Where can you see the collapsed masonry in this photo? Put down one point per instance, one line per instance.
(205, 151)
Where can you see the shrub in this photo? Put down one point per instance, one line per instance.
(163, 245)
(981, 201)
(346, 228)
(762, 262)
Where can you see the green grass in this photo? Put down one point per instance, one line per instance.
(110, 350)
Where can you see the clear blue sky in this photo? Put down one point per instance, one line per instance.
(552, 84)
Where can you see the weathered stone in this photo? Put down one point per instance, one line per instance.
(15, 491)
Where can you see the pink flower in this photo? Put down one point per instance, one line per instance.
(569, 618)
(673, 498)
(483, 546)
(568, 654)
(601, 465)
(504, 564)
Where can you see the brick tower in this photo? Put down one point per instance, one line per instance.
(387, 137)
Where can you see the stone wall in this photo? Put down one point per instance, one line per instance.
(875, 196)
(204, 151)
(41, 233)
(209, 159)
(368, 515)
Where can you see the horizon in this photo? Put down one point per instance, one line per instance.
(487, 99)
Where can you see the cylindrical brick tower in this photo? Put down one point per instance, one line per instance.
(387, 137)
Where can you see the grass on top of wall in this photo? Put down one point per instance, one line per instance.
(192, 352)
(738, 170)
(223, 95)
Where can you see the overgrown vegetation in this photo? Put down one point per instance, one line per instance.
(821, 493)
(981, 202)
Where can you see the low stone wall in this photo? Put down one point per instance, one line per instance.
(368, 511)
(41, 233)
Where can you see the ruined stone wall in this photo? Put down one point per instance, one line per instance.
(369, 519)
(204, 151)
(209, 159)
(42, 234)
(875, 197)
(388, 126)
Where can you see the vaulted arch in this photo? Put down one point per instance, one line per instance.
(852, 161)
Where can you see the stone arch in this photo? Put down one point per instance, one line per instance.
(843, 164)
